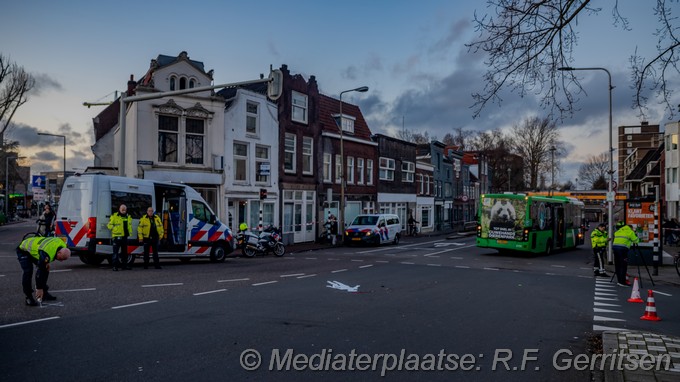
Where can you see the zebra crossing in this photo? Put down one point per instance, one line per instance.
(606, 307)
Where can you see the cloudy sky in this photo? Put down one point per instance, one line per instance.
(411, 54)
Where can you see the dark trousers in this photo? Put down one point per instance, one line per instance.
(120, 252)
(621, 263)
(153, 243)
(27, 261)
(598, 258)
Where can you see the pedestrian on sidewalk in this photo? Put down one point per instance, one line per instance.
(39, 251)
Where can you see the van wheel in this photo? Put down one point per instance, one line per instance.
(396, 239)
(218, 254)
(91, 259)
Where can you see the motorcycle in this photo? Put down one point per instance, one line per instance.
(269, 240)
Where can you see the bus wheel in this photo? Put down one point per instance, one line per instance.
(548, 248)
(218, 254)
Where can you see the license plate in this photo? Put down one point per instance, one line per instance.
(502, 241)
(356, 239)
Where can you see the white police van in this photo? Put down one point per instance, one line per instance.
(88, 200)
(374, 229)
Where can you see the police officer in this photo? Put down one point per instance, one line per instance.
(623, 238)
(120, 224)
(150, 230)
(39, 251)
(598, 240)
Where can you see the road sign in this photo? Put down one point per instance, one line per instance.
(611, 196)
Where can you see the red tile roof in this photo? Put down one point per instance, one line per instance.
(330, 107)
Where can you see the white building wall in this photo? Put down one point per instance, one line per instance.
(267, 135)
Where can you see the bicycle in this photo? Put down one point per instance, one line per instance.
(40, 230)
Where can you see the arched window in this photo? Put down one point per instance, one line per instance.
(172, 82)
(182, 83)
(192, 83)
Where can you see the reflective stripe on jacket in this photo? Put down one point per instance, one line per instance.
(116, 225)
(598, 238)
(49, 245)
(144, 227)
(625, 236)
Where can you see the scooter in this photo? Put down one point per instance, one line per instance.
(269, 240)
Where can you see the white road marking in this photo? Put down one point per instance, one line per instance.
(361, 261)
(407, 263)
(600, 310)
(137, 304)
(447, 244)
(60, 270)
(431, 255)
(456, 258)
(402, 246)
(609, 328)
(305, 276)
(605, 294)
(604, 304)
(462, 266)
(232, 280)
(311, 258)
(382, 261)
(208, 292)
(266, 282)
(606, 298)
(2, 275)
(292, 275)
(28, 322)
(341, 286)
(602, 318)
(339, 270)
(449, 250)
(366, 266)
(662, 293)
(73, 290)
(434, 265)
(161, 285)
(490, 269)
(558, 266)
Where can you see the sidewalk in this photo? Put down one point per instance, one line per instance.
(649, 348)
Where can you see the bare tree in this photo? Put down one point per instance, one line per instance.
(460, 138)
(527, 41)
(497, 147)
(15, 83)
(594, 168)
(534, 140)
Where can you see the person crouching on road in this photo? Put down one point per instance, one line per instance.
(598, 239)
(39, 251)
(149, 231)
(623, 238)
(120, 224)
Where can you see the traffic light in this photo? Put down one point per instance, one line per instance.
(263, 193)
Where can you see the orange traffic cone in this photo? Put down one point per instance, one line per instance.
(635, 294)
(650, 310)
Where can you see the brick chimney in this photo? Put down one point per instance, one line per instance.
(131, 86)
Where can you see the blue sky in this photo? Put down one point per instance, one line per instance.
(410, 54)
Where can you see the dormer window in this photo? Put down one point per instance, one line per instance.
(347, 123)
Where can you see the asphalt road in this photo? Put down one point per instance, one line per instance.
(428, 309)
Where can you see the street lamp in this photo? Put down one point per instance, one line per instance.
(7, 184)
(552, 169)
(361, 89)
(64, 137)
(610, 193)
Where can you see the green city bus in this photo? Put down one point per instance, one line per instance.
(534, 224)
